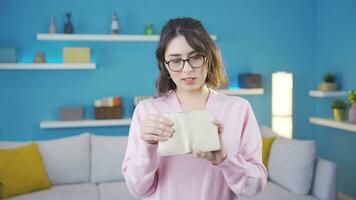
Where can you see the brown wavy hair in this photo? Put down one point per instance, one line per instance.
(199, 39)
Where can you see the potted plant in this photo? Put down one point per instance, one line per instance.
(329, 83)
(352, 110)
(339, 107)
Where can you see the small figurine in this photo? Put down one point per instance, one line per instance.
(149, 29)
(52, 26)
(115, 24)
(40, 57)
(68, 27)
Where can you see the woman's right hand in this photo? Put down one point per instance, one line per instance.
(156, 128)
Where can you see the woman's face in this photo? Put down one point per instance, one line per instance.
(188, 78)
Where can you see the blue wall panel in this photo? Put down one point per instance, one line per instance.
(254, 36)
(336, 53)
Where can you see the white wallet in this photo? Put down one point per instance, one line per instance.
(194, 131)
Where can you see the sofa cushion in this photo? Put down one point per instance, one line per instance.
(266, 148)
(114, 191)
(22, 170)
(267, 132)
(87, 191)
(67, 159)
(273, 191)
(291, 164)
(325, 179)
(108, 152)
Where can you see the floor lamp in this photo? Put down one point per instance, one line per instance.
(282, 103)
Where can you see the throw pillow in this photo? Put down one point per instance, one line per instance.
(291, 164)
(22, 170)
(266, 148)
(107, 152)
(1, 196)
(67, 159)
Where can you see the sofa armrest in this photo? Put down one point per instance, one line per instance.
(325, 180)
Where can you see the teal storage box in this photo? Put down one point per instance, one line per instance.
(8, 55)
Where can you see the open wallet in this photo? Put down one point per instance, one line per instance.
(194, 131)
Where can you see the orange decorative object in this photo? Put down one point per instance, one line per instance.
(117, 101)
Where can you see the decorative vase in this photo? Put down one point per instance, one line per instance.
(325, 86)
(68, 27)
(352, 113)
(52, 26)
(339, 114)
(115, 24)
(40, 57)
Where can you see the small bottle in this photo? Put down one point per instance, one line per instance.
(115, 24)
(52, 26)
(68, 27)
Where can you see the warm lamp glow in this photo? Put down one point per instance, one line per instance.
(282, 103)
(283, 126)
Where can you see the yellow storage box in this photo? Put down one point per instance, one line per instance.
(76, 55)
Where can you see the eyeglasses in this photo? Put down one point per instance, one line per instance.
(177, 65)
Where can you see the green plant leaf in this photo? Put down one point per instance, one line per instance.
(329, 78)
(352, 96)
(338, 104)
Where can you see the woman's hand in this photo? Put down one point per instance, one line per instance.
(215, 157)
(156, 128)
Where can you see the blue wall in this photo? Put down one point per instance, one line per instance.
(254, 36)
(336, 53)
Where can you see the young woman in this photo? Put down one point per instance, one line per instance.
(190, 65)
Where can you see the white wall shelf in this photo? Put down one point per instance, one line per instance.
(254, 91)
(100, 37)
(319, 93)
(47, 66)
(333, 124)
(85, 123)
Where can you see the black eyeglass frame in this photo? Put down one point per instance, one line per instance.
(185, 60)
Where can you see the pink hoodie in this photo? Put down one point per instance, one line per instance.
(186, 177)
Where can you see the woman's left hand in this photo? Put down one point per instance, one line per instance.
(215, 157)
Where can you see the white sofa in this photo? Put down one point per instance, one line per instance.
(88, 166)
(85, 166)
(285, 185)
